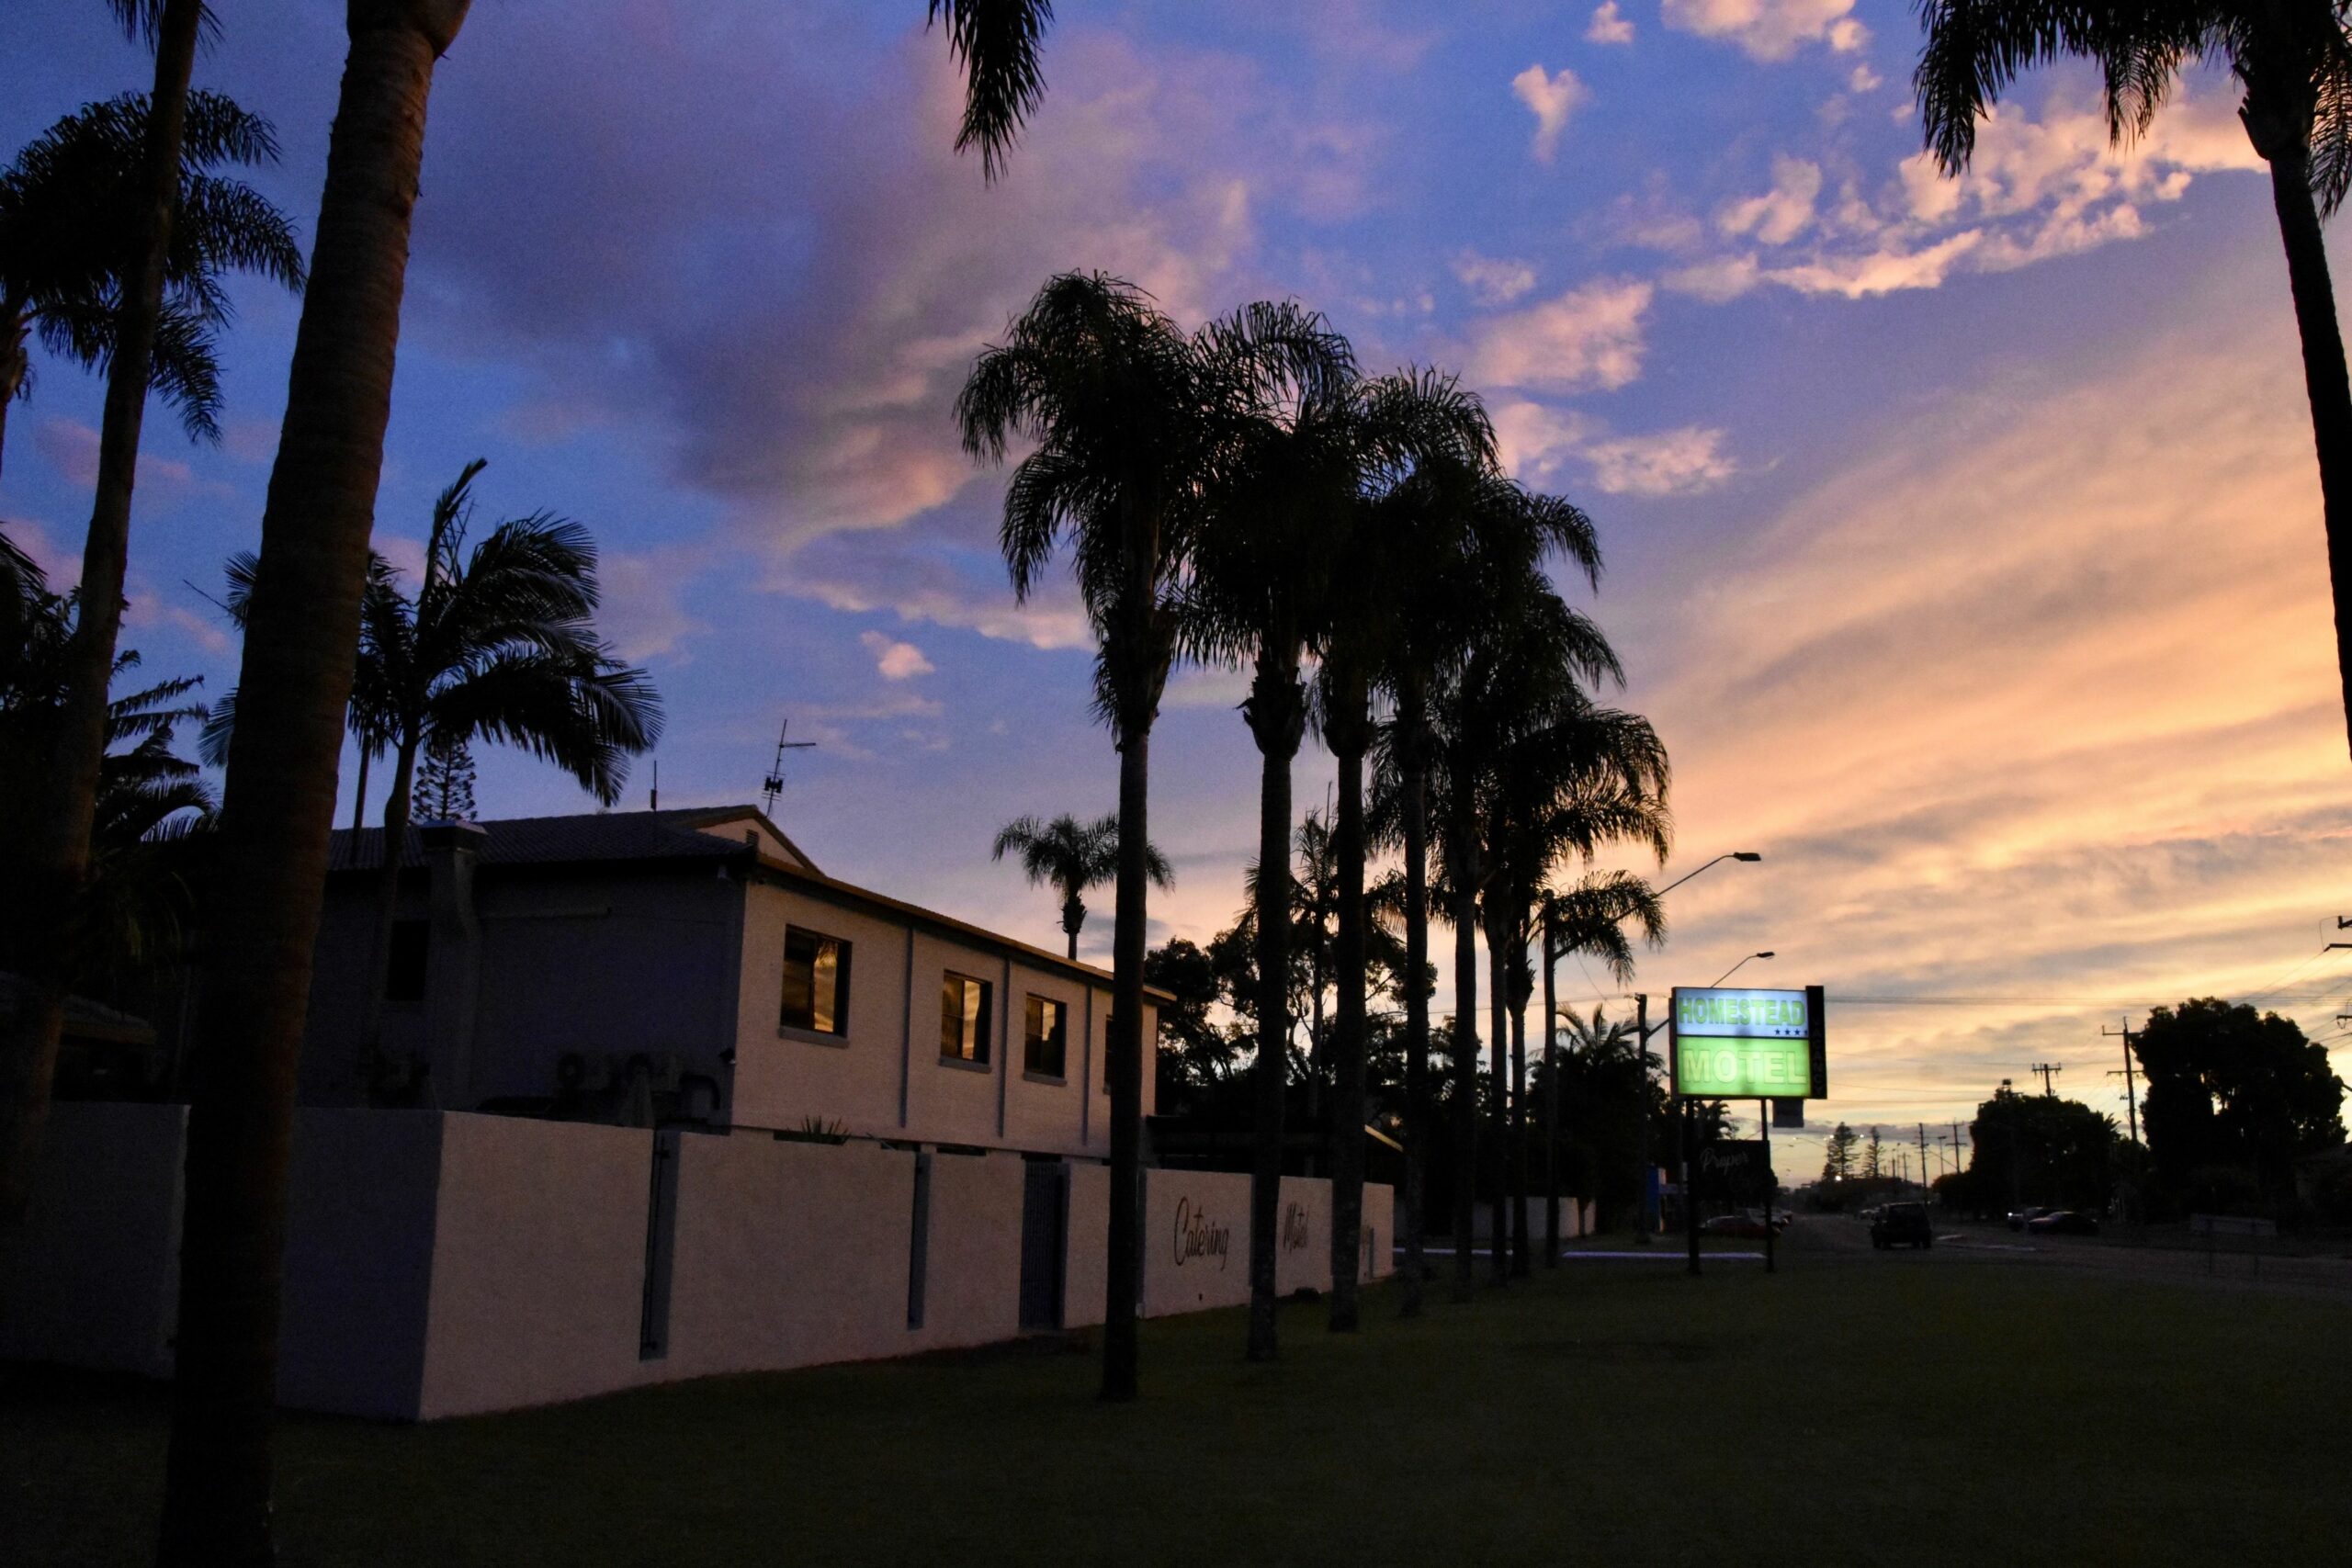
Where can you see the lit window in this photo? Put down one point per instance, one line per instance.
(816, 982)
(964, 1018)
(1045, 1047)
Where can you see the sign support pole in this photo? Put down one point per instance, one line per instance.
(1690, 1181)
(1764, 1112)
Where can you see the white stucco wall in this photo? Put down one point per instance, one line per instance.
(538, 1263)
(361, 1213)
(972, 1273)
(1085, 1260)
(1196, 1240)
(91, 1276)
(787, 1255)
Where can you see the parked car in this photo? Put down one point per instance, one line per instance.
(1750, 1226)
(2064, 1221)
(2021, 1218)
(1903, 1224)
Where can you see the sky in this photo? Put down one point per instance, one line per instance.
(1962, 537)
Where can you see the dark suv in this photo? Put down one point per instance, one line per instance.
(1902, 1225)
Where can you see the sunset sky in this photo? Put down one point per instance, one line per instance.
(1963, 538)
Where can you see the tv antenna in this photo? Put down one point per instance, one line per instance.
(783, 742)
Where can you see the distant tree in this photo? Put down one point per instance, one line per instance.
(1070, 857)
(1194, 1053)
(445, 791)
(1838, 1162)
(1873, 1158)
(2228, 1087)
(2038, 1148)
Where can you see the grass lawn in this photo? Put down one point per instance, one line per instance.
(1870, 1409)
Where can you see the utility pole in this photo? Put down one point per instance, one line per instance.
(1644, 1173)
(1923, 1154)
(2131, 1095)
(2048, 1071)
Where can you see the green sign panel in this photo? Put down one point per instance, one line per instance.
(1748, 1044)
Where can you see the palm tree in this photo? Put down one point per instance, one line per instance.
(1070, 857)
(1411, 421)
(1125, 412)
(1589, 916)
(58, 830)
(1520, 660)
(2293, 60)
(500, 645)
(300, 654)
(70, 214)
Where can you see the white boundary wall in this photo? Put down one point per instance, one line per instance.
(441, 1263)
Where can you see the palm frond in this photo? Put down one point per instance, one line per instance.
(997, 43)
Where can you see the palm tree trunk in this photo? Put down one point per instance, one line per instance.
(1123, 1270)
(1277, 712)
(294, 693)
(1073, 916)
(1412, 768)
(1551, 1102)
(1348, 738)
(359, 797)
(1462, 831)
(49, 908)
(1521, 1245)
(1498, 1036)
(387, 904)
(2324, 382)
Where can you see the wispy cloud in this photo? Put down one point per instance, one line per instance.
(1589, 337)
(896, 660)
(1609, 25)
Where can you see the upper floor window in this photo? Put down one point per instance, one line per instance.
(404, 975)
(816, 982)
(1045, 1048)
(964, 1018)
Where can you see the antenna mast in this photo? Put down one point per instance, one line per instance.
(783, 742)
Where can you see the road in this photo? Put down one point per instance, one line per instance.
(1828, 1236)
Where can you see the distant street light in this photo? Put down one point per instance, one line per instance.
(1734, 968)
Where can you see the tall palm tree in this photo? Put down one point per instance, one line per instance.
(1589, 916)
(69, 215)
(57, 831)
(1412, 420)
(1583, 779)
(1070, 857)
(498, 644)
(2293, 61)
(1269, 591)
(300, 654)
(1522, 660)
(1124, 413)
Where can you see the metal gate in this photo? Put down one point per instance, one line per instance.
(1045, 1203)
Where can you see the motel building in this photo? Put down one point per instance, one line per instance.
(654, 1098)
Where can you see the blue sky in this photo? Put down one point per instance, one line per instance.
(1962, 537)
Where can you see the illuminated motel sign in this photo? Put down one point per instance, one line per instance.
(1748, 1044)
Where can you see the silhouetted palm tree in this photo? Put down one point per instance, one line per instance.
(57, 833)
(71, 210)
(1411, 421)
(497, 645)
(300, 654)
(1126, 412)
(2293, 61)
(1070, 857)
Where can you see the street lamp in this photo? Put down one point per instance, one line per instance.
(1643, 1029)
(1734, 968)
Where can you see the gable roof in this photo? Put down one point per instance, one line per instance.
(592, 836)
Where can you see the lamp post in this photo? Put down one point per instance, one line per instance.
(1643, 1030)
(1734, 968)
